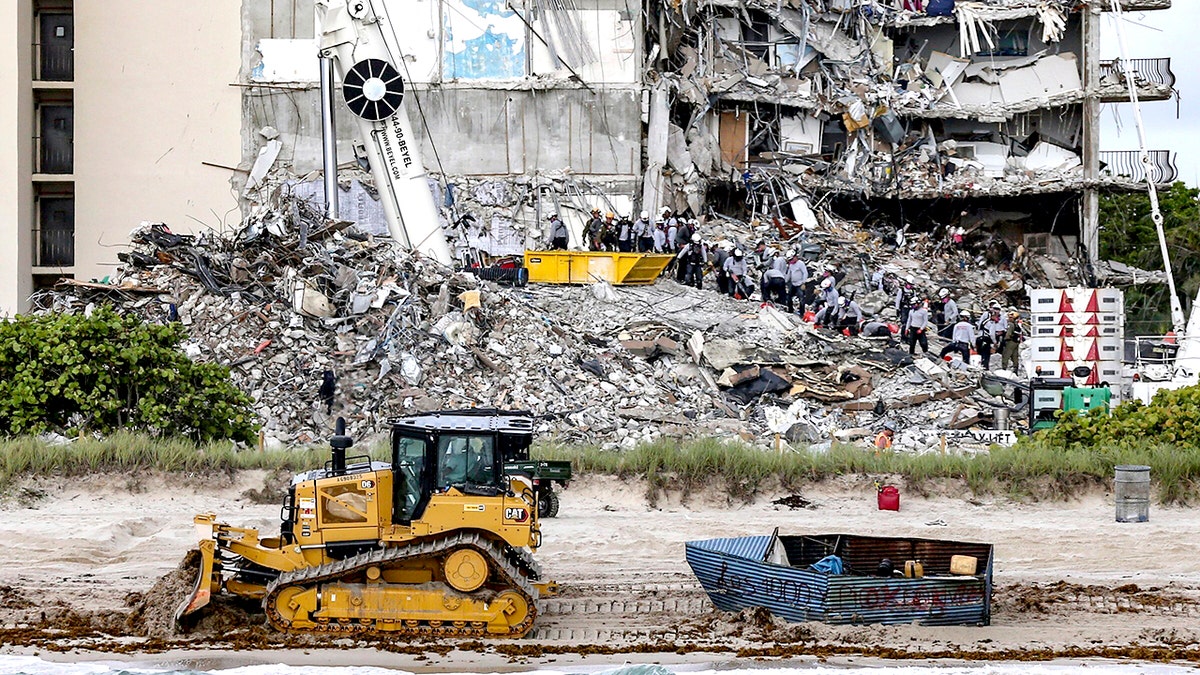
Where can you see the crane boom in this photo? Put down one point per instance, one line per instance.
(352, 36)
(1177, 320)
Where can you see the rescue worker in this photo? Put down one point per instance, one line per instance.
(991, 331)
(684, 235)
(843, 315)
(883, 441)
(761, 256)
(827, 295)
(694, 257)
(876, 329)
(795, 276)
(774, 281)
(905, 295)
(947, 313)
(660, 238)
(737, 272)
(1014, 335)
(608, 232)
(918, 323)
(558, 233)
(643, 233)
(962, 337)
(719, 254)
(849, 316)
(672, 236)
(625, 235)
(593, 231)
(667, 220)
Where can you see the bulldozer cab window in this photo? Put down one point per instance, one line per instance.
(466, 460)
(515, 447)
(409, 471)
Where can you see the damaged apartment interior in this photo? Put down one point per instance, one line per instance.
(901, 114)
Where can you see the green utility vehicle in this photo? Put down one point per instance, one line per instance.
(544, 474)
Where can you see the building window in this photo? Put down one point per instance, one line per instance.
(56, 139)
(57, 47)
(55, 238)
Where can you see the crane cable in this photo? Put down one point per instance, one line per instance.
(1177, 319)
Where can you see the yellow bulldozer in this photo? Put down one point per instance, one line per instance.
(436, 542)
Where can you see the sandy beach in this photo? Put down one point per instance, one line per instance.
(79, 577)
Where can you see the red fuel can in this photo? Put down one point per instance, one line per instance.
(889, 498)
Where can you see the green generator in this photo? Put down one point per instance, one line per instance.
(1048, 395)
(1085, 399)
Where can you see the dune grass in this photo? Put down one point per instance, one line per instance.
(126, 453)
(738, 469)
(1032, 470)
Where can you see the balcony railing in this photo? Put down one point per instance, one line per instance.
(1145, 71)
(54, 248)
(1127, 164)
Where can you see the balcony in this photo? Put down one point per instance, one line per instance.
(54, 52)
(1125, 167)
(1154, 78)
(54, 237)
(54, 248)
(1136, 5)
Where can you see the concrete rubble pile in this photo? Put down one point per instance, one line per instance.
(292, 295)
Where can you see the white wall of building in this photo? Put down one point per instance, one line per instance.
(153, 100)
(16, 157)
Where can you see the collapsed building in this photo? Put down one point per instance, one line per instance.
(981, 115)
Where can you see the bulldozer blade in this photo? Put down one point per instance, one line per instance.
(202, 593)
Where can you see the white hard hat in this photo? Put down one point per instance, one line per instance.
(910, 279)
(666, 209)
(844, 301)
(827, 282)
(792, 253)
(943, 293)
(965, 314)
(737, 253)
(695, 239)
(645, 215)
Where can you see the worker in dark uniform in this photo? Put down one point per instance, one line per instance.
(595, 226)
(694, 257)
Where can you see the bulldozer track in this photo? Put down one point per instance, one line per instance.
(499, 560)
(591, 607)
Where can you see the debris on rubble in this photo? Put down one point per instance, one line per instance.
(291, 295)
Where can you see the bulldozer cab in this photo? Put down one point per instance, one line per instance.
(461, 449)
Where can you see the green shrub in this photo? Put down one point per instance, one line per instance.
(73, 374)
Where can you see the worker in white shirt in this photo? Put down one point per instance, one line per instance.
(962, 337)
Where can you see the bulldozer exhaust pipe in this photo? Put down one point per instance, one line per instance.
(338, 445)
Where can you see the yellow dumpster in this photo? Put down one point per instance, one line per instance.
(588, 267)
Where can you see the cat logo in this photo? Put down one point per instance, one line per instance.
(516, 513)
(367, 484)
